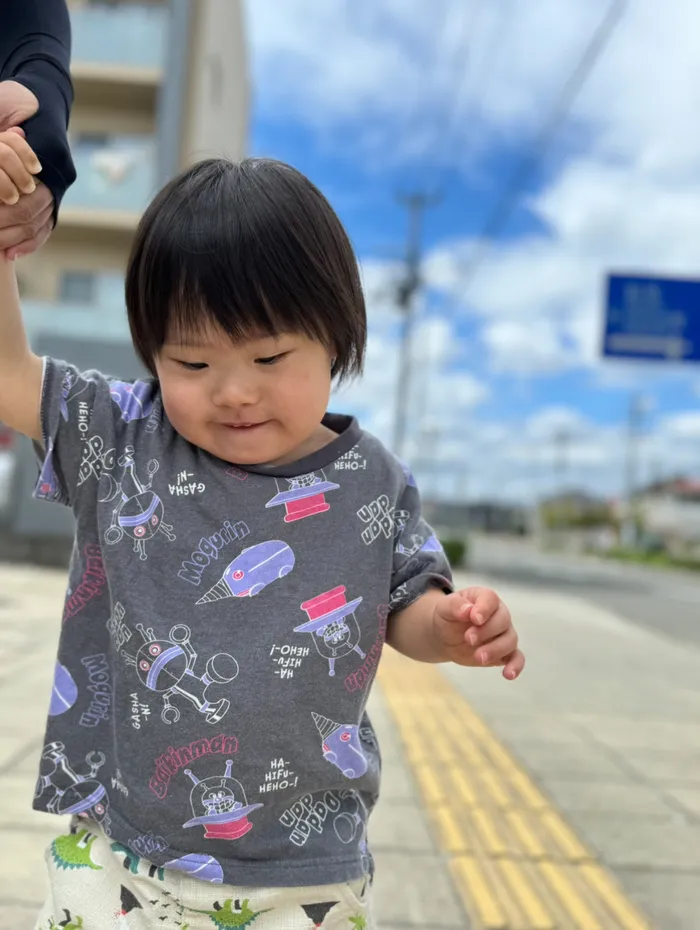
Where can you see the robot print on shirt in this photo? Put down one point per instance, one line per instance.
(70, 379)
(220, 806)
(73, 793)
(48, 486)
(64, 693)
(200, 866)
(341, 746)
(416, 544)
(254, 569)
(135, 400)
(303, 496)
(333, 625)
(139, 513)
(167, 667)
(95, 460)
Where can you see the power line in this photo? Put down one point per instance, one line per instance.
(511, 194)
(417, 204)
(478, 73)
(458, 73)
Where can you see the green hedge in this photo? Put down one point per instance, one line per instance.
(456, 551)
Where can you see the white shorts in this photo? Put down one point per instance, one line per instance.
(95, 885)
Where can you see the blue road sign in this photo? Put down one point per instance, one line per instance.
(652, 318)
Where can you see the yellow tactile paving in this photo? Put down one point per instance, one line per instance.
(514, 860)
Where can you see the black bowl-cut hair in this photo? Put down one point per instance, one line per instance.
(252, 248)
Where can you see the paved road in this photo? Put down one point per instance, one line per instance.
(605, 722)
(666, 602)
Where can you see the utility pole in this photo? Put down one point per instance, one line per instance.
(638, 406)
(406, 302)
(562, 440)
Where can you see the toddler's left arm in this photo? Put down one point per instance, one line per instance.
(472, 627)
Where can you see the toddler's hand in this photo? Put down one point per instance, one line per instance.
(17, 165)
(474, 628)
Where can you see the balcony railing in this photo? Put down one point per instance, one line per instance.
(77, 321)
(117, 175)
(128, 34)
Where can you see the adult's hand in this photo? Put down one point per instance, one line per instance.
(26, 225)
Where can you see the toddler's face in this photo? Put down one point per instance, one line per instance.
(256, 402)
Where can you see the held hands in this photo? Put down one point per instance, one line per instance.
(18, 164)
(474, 627)
(26, 221)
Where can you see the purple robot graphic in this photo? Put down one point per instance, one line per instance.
(251, 571)
(333, 621)
(223, 804)
(135, 400)
(64, 692)
(408, 474)
(404, 547)
(200, 866)
(304, 496)
(139, 513)
(432, 544)
(73, 793)
(48, 487)
(69, 379)
(167, 667)
(342, 746)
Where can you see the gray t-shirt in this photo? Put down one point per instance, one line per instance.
(221, 631)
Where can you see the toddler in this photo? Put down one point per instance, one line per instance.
(241, 557)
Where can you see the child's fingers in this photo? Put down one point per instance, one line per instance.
(495, 651)
(514, 664)
(17, 160)
(16, 140)
(497, 624)
(454, 607)
(486, 603)
(14, 177)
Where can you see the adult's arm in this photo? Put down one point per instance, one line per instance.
(35, 50)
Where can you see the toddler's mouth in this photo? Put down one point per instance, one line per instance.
(243, 426)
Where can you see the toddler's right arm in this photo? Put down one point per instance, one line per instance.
(21, 371)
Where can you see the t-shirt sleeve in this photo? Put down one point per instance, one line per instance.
(419, 559)
(88, 422)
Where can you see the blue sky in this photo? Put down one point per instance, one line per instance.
(380, 96)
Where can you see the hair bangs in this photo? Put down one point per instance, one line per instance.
(245, 250)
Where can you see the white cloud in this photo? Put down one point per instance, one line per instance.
(623, 193)
(683, 426)
(395, 70)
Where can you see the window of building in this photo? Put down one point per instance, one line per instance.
(78, 287)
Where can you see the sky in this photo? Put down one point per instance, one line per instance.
(509, 397)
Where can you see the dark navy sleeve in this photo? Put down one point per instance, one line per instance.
(35, 49)
(420, 562)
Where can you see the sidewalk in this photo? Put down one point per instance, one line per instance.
(604, 725)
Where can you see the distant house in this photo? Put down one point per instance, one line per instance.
(671, 509)
(478, 516)
(575, 509)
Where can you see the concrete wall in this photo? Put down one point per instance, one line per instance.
(217, 108)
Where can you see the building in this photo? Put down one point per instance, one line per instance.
(670, 511)
(159, 84)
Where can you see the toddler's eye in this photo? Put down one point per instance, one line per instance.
(271, 359)
(192, 366)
